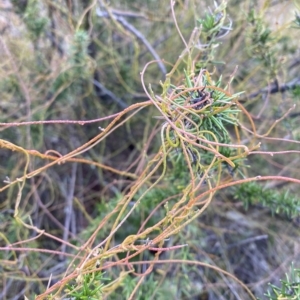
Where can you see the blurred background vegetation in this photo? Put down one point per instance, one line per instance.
(82, 60)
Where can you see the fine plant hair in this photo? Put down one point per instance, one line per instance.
(158, 166)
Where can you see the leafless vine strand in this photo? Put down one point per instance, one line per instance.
(79, 122)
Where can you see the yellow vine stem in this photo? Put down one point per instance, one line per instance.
(171, 214)
(22, 180)
(193, 201)
(168, 138)
(205, 141)
(187, 158)
(196, 126)
(277, 121)
(186, 213)
(81, 19)
(126, 245)
(112, 286)
(244, 110)
(238, 137)
(219, 155)
(94, 141)
(156, 240)
(163, 160)
(202, 264)
(193, 38)
(133, 238)
(130, 239)
(78, 160)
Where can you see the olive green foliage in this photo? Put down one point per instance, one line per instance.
(146, 292)
(30, 11)
(278, 202)
(289, 288)
(214, 25)
(297, 20)
(151, 125)
(74, 79)
(261, 44)
(90, 287)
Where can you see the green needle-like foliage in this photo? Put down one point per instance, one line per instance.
(289, 289)
(283, 202)
(204, 111)
(89, 288)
